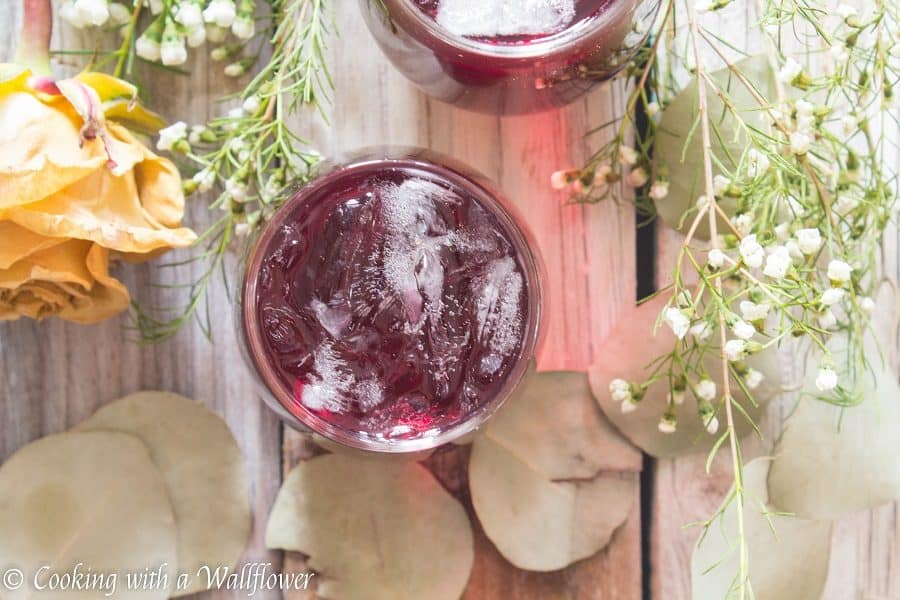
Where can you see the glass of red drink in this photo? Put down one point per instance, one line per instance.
(509, 56)
(392, 304)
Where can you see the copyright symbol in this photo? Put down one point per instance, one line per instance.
(13, 579)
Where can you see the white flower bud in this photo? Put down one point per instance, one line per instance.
(678, 321)
(826, 379)
(712, 426)
(832, 296)
(216, 34)
(720, 184)
(628, 406)
(839, 271)
(235, 70)
(243, 28)
(757, 163)
(701, 330)
(735, 350)
(800, 142)
(790, 71)
(147, 48)
(659, 190)
(196, 37)
(827, 320)
(93, 12)
(809, 240)
(189, 14)
(751, 252)
(220, 12)
(172, 51)
(743, 329)
(753, 379)
(171, 135)
(667, 425)
(752, 311)
(706, 390)
(627, 155)
(867, 305)
(620, 390)
(204, 179)
(119, 14)
(638, 177)
(778, 262)
(715, 259)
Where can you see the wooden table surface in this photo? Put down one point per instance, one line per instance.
(54, 374)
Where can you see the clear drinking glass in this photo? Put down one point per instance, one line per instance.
(482, 55)
(392, 304)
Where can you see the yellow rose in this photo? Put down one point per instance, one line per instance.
(76, 190)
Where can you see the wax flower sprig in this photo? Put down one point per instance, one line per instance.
(161, 31)
(250, 155)
(794, 214)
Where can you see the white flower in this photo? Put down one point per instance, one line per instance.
(804, 108)
(753, 378)
(147, 48)
(216, 34)
(676, 397)
(839, 271)
(839, 54)
(251, 105)
(119, 14)
(627, 155)
(620, 390)
(790, 71)
(189, 14)
(832, 296)
(659, 190)
(600, 175)
(720, 184)
(171, 135)
(235, 70)
(195, 136)
(638, 177)
(242, 229)
(827, 320)
(867, 305)
(800, 142)
(743, 223)
(846, 203)
(701, 202)
(706, 390)
(628, 406)
(743, 329)
(156, 6)
(560, 180)
(236, 190)
(243, 28)
(653, 109)
(845, 11)
(712, 426)
(666, 426)
(172, 51)
(752, 253)
(849, 124)
(735, 350)
(196, 37)
(794, 250)
(678, 321)
(783, 232)
(71, 15)
(826, 379)
(809, 240)
(93, 12)
(778, 262)
(715, 259)
(220, 12)
(701, 330)
(204, 179)
(751, 311)
(757, 163)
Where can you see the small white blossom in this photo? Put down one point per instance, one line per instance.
(826, 379)
(839, 54)
(72, 15)
(846, 203)
(800, 142)
(156, 6)
(793, 249)
(628, 406)
(243, 28)
(809, 240)
(712, 426)
(204, 179)
(171, 135)
(743, 329)
(839, 271)
(93, 12)
(716, 258)
(216, 34)
(849, 124)
(189, 14)
(147, 48)
(783, 232)
(743, 223)
(666, 426)
(638, 177)
(701, 202)
(236, 190)
(827, 319)
(867, 305)
(790, 71)
(196, 36)
(735, 350)
(845, 11)
(751, 311)
(220, 12)
(676, 397)
(659, 190)
(653, 109)
(242, 229)
(627, 155)
(701, 331)
(753, 379)
(757, 163)
(832, 296)
(172, 51)
(752, 253)
(678, 321)
(235, 70)
(706, 390)
(720, 184)
(560, 180)
(601, 174)
(778, 262)
(195, 136)
(251, 104)
(620, 390)
(119, 14)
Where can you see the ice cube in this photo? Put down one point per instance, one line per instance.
(492, 18)
(333, 317)
(497, 298)
(329, 384)
(369, 394)
(415, 236)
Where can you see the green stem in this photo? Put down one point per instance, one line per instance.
(33, 50)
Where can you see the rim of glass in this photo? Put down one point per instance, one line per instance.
(514, 227)
(537, 48)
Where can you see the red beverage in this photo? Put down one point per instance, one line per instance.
(509, 56)
(392, 304)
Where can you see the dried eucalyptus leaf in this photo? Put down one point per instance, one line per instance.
(831, 461)
(627, 352)
(685, 164)
(203, 469)
(92, 498)
(788, 557)
(540, 475)
(374, 529)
